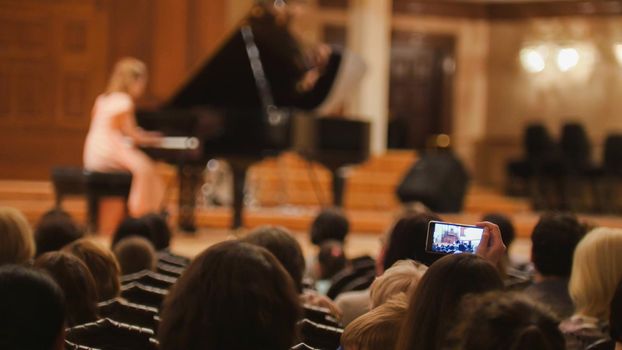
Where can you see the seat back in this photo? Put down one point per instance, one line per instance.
(319, 336)
(149, 278)
(111, 335)
(575, 146)
(138, 293)
(129, 313)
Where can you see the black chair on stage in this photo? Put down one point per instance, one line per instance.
(576, 158)
(536, 174)
(607, 181)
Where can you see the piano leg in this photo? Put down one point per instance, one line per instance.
(338, 187)
(239, 178)
(190, 177)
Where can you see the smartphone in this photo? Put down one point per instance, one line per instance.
(450, 238)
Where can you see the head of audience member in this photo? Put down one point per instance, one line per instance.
(500, 320)
(331, 259)
(407, 240)
(17, 245)
(505, 225)
(76, 282)
(434, 303)
(160, 231)
(102, 264)
(233, 296)
(402, 277)
(129, 76)
(135, 254)
(378, 329)
(280, 242)
(596, 271)
(615, 316)
(329, 224)
(55, 230)
(131, 227)
(32, 309)
(554, 240)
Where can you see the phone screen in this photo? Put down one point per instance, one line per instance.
(448, 238)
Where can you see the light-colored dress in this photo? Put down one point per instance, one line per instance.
(107, 149)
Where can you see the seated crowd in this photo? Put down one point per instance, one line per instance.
(60, 289)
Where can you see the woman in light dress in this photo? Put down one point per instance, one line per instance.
(113, 137)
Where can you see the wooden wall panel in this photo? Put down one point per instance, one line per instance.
(55, 58)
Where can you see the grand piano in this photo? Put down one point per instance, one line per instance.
(245, 103)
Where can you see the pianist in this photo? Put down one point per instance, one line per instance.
(113, 137)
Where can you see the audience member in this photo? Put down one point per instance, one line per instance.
(135, 254)
(406, 240)
(553, 243)
(132, 226)
(402, 277)
(160, 231)
(33, 310)
(615, 317)
(329, 224)
(377, 329)
(331, 259)
(102, 264)
(278, 241)
(499, 320)
(233, 296)
(505, 226)
(596, 271)
(55, 230)
(17, 245)
(77, 283)
(434, 304)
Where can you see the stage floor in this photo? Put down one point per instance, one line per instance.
(33, 198)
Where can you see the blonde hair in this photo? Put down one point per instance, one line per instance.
(379, 328)
(126, 72)
(402, 277)
(102, 264)
(596, 271)
(17, 244)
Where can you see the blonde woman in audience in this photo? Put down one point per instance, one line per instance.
(17, 245)
(113, 136)
(378, 329)
(402, 277)
(102, 264)
(596, 271)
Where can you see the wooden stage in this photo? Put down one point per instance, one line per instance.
(289, 197)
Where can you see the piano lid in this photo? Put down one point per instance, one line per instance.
(226, 79)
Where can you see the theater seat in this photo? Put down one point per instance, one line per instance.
(169, 270)
(125, 312)
(110, 335)
(138, 293)
(319, 336)
(319, 315)
(149, 278)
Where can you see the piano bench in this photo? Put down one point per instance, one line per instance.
(73, 181)
(99, 185)
(67, 181)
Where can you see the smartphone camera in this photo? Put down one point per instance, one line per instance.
(450, 238)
